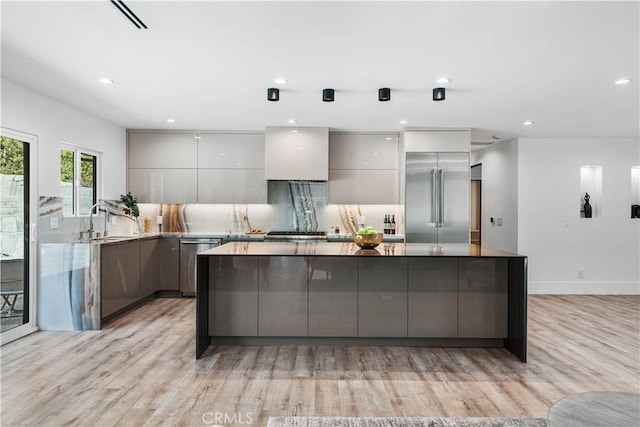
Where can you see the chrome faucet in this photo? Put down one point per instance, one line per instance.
(106, 219)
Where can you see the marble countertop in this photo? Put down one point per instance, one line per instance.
(351, 249)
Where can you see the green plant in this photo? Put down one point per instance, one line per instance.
(130, 205)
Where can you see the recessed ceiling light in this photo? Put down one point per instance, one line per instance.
(280, 81)
(196, 137)
(292, 121)
(496, 137)
(105, 81)
(171, 120)
(622, 81)
(223, 154)
(388, 138)
(375, 154)
(528, 123)
(294, 130)
(403, 122)
(443, 80)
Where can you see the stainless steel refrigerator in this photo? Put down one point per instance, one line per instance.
(437, 198)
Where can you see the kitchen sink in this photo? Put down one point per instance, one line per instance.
(107, 238)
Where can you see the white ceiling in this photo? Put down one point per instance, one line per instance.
(208, 64)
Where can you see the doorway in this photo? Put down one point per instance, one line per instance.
(18, 213)
(476, 204)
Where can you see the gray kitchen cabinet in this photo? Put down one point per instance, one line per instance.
(282, 296)
(168, 255)
(333, 297)
(364, 168)
(231, 151)
(233, 300)
(363, 151)
(232, 186)
(300, 153)
(437, 141)
(164, 185)
(119, 276)
(364, 186)
(433, 297)
(382, 297)
(483, 298)
(149, 267)
(149, 150)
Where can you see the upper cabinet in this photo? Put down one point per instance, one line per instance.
(231, 151)
(364, 168)
(163, 150)
(431, 141)
(197, 167)
(297, 153)
(363, 151)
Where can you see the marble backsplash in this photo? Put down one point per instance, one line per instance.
(54, 227)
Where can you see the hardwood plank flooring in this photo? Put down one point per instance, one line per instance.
(141, 370)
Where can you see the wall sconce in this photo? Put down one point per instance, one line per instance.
(384, 94)
(328, 95)
(273, 94)
(438, 94)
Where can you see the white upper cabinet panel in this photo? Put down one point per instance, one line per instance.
(441, 141)
(363, 151)
(231, 151)
(164, 185)
(232, 186)
(364, 186)
(163, 150)
(303, 154)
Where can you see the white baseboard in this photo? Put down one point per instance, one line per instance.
(584, 288)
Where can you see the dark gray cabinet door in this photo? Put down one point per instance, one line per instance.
(149, 267)
(382, 297)
(283, 296)
(169, 264)
(333, 297)
(233, 296)
(483, 298)
(119, 276)
(433, 297)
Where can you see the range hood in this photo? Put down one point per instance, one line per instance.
(296, 153)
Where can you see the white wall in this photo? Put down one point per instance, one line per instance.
(550, 231)
(53, 123)
(499, 194)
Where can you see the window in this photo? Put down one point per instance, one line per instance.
(78, 183)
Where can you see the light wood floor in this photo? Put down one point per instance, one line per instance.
(141, 370)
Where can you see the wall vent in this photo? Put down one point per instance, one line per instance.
(124, 9)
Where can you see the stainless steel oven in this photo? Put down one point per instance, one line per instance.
(189, 248)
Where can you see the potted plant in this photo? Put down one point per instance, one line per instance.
(130, 208)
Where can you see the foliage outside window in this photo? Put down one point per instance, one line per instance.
(78, 183)
(11, 156)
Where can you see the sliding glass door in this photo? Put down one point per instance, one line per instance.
(18, 212)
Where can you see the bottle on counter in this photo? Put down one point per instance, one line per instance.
(386, 224)
(393, 224)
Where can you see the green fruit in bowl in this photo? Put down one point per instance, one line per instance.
(362, 231)
(368, 228)
(359, 237)
(372, 231)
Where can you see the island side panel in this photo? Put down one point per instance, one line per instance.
(202, 304)
(516, 341)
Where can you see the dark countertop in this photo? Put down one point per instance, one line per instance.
(351, 249)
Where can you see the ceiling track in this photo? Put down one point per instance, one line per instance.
(124, 9)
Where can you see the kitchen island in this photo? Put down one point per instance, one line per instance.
(253, 293)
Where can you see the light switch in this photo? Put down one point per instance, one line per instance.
(499, 221)
(53, 223)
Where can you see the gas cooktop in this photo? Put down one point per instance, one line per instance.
(296, 235)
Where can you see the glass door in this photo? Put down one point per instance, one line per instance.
(17, 241)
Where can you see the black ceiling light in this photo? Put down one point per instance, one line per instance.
(438, 94)
(384, 94)
(328, 95)
(273, 94)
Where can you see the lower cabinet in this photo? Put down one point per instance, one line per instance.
(333, 297)
(149, 266)
(433, 297)
(119, 276)
(168, 256)
(282, 302)
(382, 297)
(234, 296)
(483, 288)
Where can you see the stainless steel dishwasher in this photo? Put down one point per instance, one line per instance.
(189, 248)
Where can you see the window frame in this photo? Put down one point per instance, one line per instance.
(78, 151)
